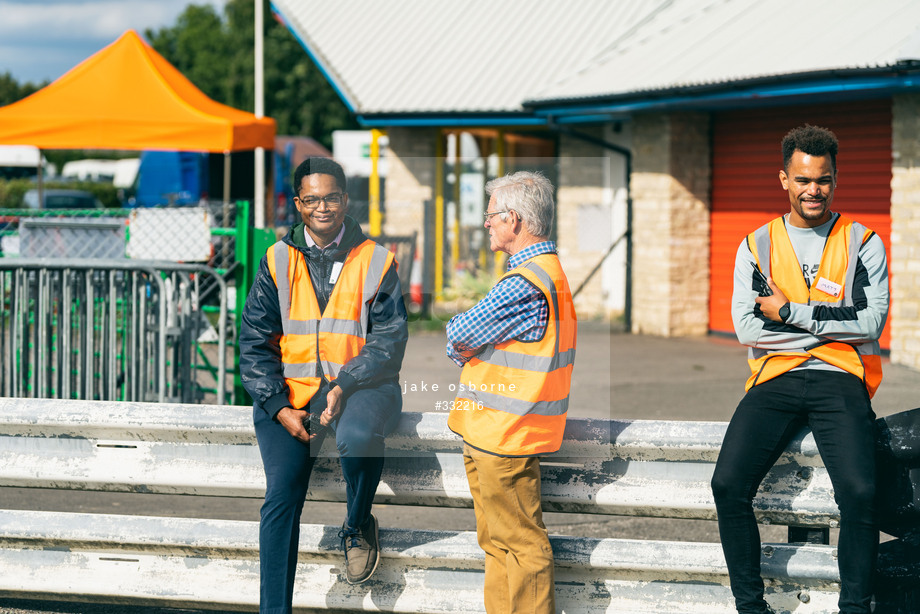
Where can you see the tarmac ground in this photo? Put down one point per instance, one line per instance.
(616, 375)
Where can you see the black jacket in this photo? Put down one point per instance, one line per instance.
(260, 354)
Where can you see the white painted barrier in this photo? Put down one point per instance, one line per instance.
(214, 564)
(652, 468)
(639, 468)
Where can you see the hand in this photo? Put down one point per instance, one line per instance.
(770, 305)
(333, 406)
(292, 420)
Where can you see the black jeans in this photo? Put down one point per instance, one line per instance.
(370, 414)
(836, 407)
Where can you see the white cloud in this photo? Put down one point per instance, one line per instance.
(44, 39)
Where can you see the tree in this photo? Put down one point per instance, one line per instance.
(217, 55)
(11, 90)
(196, 46)
(301, 97)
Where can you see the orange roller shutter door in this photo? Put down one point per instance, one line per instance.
(746, 192)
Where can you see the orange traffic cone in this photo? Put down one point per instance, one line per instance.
(415, 280)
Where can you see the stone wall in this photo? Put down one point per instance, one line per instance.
(670, 191)
(581, 210)
(410, 189)
(410, 179)
(904, 259)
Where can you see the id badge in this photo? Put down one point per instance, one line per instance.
(828, 287)
(336, 270)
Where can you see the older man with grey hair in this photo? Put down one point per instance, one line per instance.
(517, 350)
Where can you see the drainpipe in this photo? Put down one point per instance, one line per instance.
(627, 156)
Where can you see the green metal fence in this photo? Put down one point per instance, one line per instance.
(233, 252)
(227, 246)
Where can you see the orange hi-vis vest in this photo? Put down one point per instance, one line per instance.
(311, 339)
(775, 256)
(513, 397)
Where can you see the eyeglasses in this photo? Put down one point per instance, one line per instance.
(487, 216)
(333, 200)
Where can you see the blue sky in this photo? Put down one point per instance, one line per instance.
(43, 39)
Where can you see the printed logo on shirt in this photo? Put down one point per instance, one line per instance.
(809, 272)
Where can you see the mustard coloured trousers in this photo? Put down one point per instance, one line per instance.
(519, 577)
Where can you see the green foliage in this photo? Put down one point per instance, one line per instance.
(298, 96)
(217, 56)
(469, 287)
(13, 190)
(11, 90)
(197, 47)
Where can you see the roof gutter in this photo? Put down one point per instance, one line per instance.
(785, 91)
(448, 120)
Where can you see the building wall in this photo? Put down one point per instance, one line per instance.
(591, 196)
(410, 179)
(582, 219)
(591, 215)
(616, 194)
(670, 191)
(904, 259)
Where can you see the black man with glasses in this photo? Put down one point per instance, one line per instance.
(322, 341)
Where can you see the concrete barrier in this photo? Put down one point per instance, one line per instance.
(637, 468)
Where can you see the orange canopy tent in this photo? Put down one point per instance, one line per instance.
(127, 96)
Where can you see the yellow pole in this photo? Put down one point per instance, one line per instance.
(375, 217)
(439, 217)
(455, 245)
(499, 269)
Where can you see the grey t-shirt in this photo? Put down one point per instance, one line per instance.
(803, 329)
(808, 244)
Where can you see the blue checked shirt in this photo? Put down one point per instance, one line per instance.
(513, 309)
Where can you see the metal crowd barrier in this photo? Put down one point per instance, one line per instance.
(113, 233)
(108, 329)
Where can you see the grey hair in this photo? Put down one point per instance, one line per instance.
(530, 195)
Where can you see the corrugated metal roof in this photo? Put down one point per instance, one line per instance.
(479, 56)
(446, 56)
(697, 42)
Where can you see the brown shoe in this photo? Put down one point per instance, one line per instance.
(362, 553)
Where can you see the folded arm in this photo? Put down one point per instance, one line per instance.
(757, 325)
(513, 309)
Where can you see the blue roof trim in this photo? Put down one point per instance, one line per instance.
(446, 120)
(774, 93)
(597, 118)
(327, 74)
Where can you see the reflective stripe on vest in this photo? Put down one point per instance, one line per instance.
(311, 340)
(776, 258)
(514, 397)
